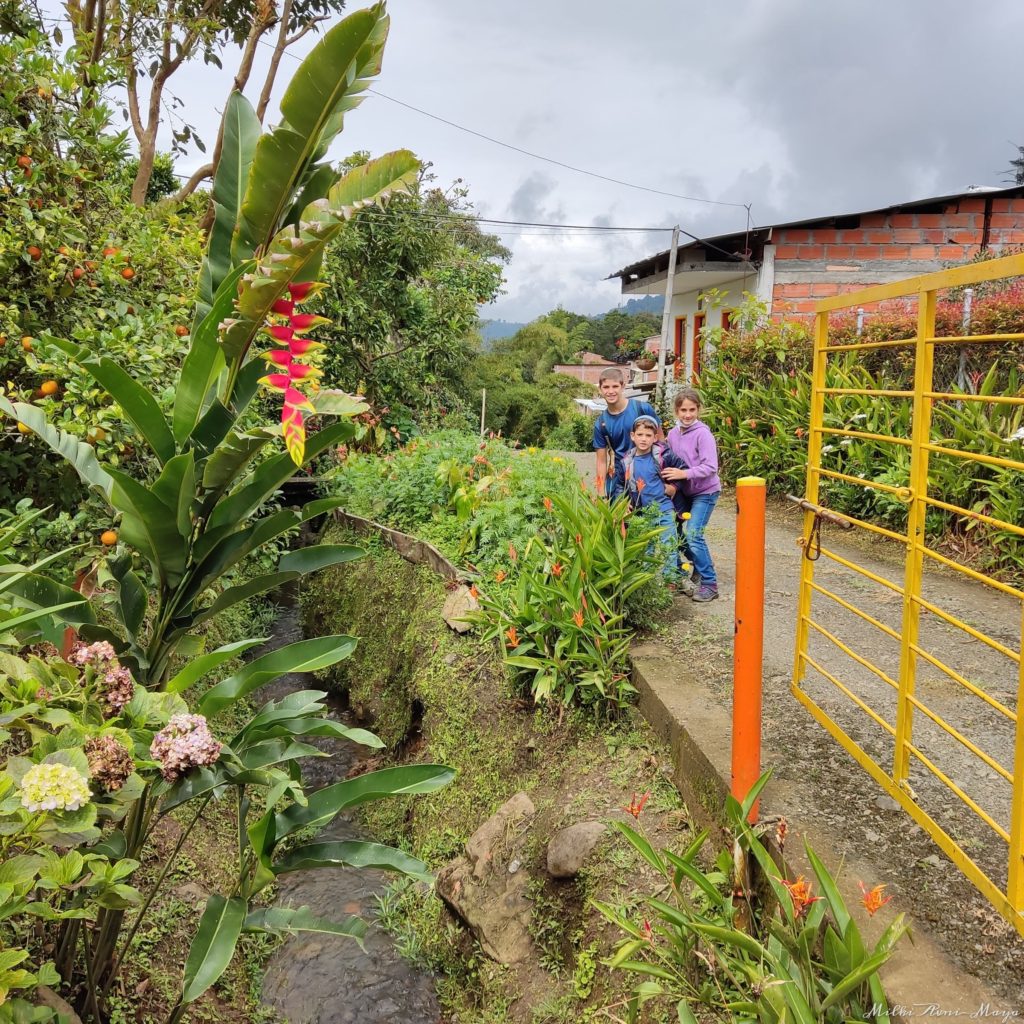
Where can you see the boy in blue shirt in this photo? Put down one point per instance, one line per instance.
(638, 473)
(612, 429)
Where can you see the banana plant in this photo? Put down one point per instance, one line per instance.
(277, 204)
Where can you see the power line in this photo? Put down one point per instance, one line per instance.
(548, 159)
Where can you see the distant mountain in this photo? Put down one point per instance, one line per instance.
(493, 330)
(644, 304)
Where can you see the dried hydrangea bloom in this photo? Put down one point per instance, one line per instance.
(54, 787)
(185, 742)
(109, 763)
(117, 688)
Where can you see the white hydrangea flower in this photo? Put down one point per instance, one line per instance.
(1018, 436)
(54, 787)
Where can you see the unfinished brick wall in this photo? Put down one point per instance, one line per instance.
(816, 262)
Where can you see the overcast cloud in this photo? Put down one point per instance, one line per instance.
(797, 107)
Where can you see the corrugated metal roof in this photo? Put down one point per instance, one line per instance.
(1012, 191)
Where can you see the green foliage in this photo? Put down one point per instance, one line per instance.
(561, 619)
(403, 289)
(574, 433)
(758, 405)
(714, 942)
(192, 510)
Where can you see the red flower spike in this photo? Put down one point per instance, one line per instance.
(281, 333)
(304, 290)
(283, 307)
(279, 357)
(300, 346)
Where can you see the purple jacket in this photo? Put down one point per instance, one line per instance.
(695, 445)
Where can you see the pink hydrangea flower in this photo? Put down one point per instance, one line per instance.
(185, 742)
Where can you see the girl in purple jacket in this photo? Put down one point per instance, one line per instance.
(697, 488)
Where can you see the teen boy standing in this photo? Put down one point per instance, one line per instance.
(614, 425)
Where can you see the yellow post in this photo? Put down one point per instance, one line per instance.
(748, 637)
(814, 443)
(1015, 872)
(924, 351)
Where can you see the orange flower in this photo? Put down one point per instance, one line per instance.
(557, 569)
(577, 617)
(579, 538)
(800, 893)
(513, 636)
(583, 598)
(473, 592)
(600, 483)
(872, 898)
(512, 553)
(728, 421)
(799, 431)
(641, 483)
(500, 575)
(547, 504)
(637, 804)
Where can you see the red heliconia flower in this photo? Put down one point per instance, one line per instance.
(872, 898)
(512, 636)
(637, 804)
(557, 569)
(292, 370)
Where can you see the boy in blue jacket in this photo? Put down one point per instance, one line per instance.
(638, 474)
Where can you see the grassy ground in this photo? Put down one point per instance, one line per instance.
(434, 697)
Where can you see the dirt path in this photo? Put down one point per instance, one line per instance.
(820, 780)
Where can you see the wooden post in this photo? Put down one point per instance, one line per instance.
(748, 643)
(666, 316)
(483, 409)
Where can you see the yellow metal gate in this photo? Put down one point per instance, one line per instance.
(913, 650)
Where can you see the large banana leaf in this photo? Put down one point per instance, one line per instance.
(303, 656)
(289, 921)
(149, 526)
(204, 360)
(77, 453)
(39, 592)
(198, 667)
(325, 803)
(326, 84)
(214, 944)
(294, 254)
(138, 405)
(241, 133)
(352, 854)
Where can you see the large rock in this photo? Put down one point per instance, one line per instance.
(487, 887)
(570, 847)
(459, 603)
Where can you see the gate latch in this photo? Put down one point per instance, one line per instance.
(812, 546)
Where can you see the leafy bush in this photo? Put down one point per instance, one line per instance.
(574, 433)
(768, 952)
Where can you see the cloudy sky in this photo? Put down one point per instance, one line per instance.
(796, 107)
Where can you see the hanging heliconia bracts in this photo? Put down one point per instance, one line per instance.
(293, 373)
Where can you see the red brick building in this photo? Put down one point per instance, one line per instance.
(789, 266)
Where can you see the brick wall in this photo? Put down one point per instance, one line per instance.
(815, 262)
(589, 373)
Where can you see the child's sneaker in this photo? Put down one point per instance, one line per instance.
(706, 593)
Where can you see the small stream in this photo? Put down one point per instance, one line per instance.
(327, 979)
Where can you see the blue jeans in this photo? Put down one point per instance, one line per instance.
(670, 543)
(691, 534)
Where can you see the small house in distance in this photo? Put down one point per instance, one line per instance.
(791, 265)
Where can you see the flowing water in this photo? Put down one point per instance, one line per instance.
(327, 979)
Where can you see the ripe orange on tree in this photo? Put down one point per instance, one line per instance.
(181, 331)
(49, 387)
(108, 538)
(111, 251)
(26, 343)
(34, 251)
(127, 273)
(24, 161)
